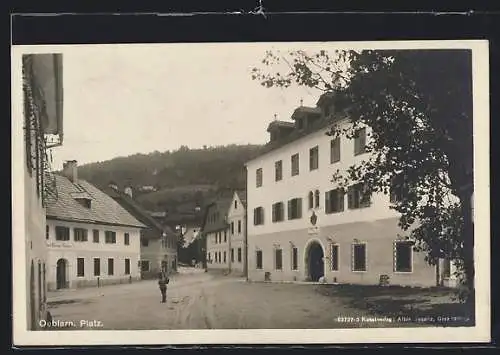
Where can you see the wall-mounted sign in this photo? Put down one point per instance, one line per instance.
(59, 245)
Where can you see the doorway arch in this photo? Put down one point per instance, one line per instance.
(314, 261)
(62, 274)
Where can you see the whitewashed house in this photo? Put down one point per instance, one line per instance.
(36, 129)
(302, 227)
(215, 232)
(236, 218)
(91, 239)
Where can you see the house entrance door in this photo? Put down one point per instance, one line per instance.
(61, 276)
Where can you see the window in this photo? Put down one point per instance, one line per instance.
(403, 251)
(359, 257)
(300, 123)
(232, 228)
(258, 259)
(80, 234)
(215, 238)
(235, 204)
(239, 226)
(97, 267)
(258, 216)
(311, 199)
(316, 198)
(278, 170)
(220, 259)
(111, 266)
(398, 189)
(334, 262)
(334, 201)
(144, 242)
(232, 254)
(360, 141)
(358, 196)
(47, 232)
(278, 259)
(80, 267)
(278, 212)
(258, 177)
(295, 258)
(144, 265)
(295, 208)
(95, 236)
(62, 233)
(126, 239)
(239, 255)
(216, 259)
(224, 257)
(295, 164)
(335, 150)
(127, 266)
(110, 237)
(225, 236)
(313, 158)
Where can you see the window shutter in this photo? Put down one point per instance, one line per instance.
(341, 197)
(362, 140)
(328, 207)
(289, 209)
(337, 149)
(261, 215)
(311, 199)
(299, 208)
(350, 197)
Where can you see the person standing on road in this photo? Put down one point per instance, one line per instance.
(162, 282)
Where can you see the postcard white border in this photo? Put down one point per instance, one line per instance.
(479, 333)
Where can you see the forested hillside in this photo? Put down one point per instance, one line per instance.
(182, 177)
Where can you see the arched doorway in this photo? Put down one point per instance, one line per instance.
(61, 274)
(314, 261)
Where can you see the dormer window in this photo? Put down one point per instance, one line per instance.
(85, 202)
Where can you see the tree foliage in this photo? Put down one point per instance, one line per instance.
(418, 107)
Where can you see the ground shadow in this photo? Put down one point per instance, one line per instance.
(435, 305)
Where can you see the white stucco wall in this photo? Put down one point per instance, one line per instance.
(236, 214)
(71, 250)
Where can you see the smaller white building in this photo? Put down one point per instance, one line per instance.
(91, 239)
(236, 217)
(216, 232)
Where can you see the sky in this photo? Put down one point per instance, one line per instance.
(125, 99)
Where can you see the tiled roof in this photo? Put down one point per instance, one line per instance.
(137, 210)
(243, 197)
(280, 124)
(103, 209)
(222, 206)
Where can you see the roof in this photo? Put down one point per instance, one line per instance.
(103, 209)
(221, 205)
(242, 195)
(277, 124)
(306, 110)
(137, 210)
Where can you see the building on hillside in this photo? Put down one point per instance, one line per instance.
(92, 240)
(236, 218)
(215, 233)
(158, 242)
(40, 129)
(303, 227)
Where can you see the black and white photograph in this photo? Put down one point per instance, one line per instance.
(278, 192)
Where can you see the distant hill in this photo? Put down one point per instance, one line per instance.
(175, 181)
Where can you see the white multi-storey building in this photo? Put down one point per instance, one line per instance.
(36, 129)
(301, 227)
(236, 217)
(91, 239)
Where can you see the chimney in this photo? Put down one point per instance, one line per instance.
(70, 170)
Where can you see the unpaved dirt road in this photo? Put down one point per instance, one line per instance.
(198, 300)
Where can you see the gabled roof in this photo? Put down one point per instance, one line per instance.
(242, 195)
(221, 206)
(137, 210)
(103, 209)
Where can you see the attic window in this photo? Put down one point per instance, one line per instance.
(85, 202)
(300, 123)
